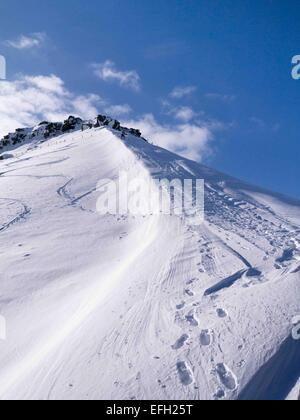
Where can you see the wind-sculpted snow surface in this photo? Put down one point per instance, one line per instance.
(142, 307)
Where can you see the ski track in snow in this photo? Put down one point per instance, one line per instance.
(141, 308)
(25, 211)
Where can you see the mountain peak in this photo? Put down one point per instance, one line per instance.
(46, 130)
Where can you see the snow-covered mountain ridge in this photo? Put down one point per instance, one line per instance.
(46, 130)
(129, 307)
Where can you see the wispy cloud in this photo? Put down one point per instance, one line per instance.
(180, 92)
(30, 99)
(184, 113)
(180, 113)
(220, 97)
(51, 84)
(118, 110)
(263, 125)
(258, 122)
(192, 140)
(25, 42)
(109, 72)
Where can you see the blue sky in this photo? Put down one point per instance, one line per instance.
(211, 79)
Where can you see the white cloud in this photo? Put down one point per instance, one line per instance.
(184, 113)
(51, 84)
(31, 99)
(221, 97)
(180, 113)
(118, 110)
(86, 106)
(24, 42)
(108, 72)
(190, 140)
(180, 92)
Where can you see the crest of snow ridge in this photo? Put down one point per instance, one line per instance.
(46, 130)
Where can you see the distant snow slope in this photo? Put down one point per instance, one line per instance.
(124, 307)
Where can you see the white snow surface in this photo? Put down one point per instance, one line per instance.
(132, 307)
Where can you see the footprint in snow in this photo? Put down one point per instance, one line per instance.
(185, 374)
(180, 342)
(205, 337)
(219, 395)
(189, 292)
(189, 282)
(226, 376)
(221, 313)
(192, 320)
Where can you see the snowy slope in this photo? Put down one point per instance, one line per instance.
(132, 307)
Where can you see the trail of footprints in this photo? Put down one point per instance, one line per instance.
(226, 378)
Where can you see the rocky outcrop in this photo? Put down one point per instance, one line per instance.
(46, 130)
(71, 124)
